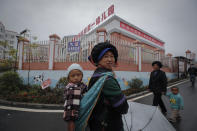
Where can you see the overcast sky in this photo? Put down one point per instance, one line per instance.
(173, 21)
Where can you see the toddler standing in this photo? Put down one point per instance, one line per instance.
(176, 102)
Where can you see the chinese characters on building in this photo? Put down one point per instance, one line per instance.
(98, 20)
(140, 33)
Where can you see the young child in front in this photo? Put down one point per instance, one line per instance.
(176, 102)
(73, 93)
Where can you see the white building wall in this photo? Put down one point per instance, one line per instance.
(9, 37)
(2, 35)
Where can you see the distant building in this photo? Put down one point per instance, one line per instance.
(9, 37)
(121, 31)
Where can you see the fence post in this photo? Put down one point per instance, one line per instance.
(53, 39)
(138, 56)
(101, 35)
(158, 54)
(169, 56)
(21, 43)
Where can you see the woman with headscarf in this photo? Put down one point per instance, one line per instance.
(111, 103)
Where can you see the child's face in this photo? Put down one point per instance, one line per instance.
(75, 76)
(175, 91)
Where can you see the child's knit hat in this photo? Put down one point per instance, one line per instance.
(74, 67)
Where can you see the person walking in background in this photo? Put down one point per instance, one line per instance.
(192, 73)
(176, 102)
(158, 85)
(73, 93)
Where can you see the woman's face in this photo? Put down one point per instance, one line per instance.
(107, 61)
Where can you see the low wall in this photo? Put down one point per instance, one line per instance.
(122, 76)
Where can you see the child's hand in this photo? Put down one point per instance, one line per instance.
(64, 115)
(149, 90)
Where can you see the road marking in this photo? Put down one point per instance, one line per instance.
(30, 110)
(61, 111)
(134, 99)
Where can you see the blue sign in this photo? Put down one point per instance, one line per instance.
(74, 46)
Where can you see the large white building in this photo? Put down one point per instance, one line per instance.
(9, 37)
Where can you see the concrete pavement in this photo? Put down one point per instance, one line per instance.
(189, 114)
(11, 120)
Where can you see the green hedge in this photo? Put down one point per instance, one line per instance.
(5, 66)
(10, 83)
(136, 85)
(12, 88)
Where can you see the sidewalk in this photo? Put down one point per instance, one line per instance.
(147, 92)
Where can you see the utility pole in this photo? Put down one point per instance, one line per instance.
(29, 58)
(18, 37)
(178, 66)
(29, 54)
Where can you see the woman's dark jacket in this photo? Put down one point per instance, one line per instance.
(111, 104)
(158, 81)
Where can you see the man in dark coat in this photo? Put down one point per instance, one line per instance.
(158, 85)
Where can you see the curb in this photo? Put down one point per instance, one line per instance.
(60, 106)
(146, 92)
(31, 105)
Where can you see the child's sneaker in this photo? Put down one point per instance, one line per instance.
(164, 113)
(179, 118)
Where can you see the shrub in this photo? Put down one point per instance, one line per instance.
(135, 83)
(135, 87)
(33, 93)
(63, 81)
(10, 83)
(5, 66)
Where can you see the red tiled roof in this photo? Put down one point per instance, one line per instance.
(54, 36)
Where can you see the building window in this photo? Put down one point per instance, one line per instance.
(11, 42)
(12, 36)
(2, 29)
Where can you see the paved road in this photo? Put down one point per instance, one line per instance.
(33, 121)
(189, 114)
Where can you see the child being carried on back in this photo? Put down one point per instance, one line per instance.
(73, 93)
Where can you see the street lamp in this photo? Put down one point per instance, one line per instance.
(18, 37)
